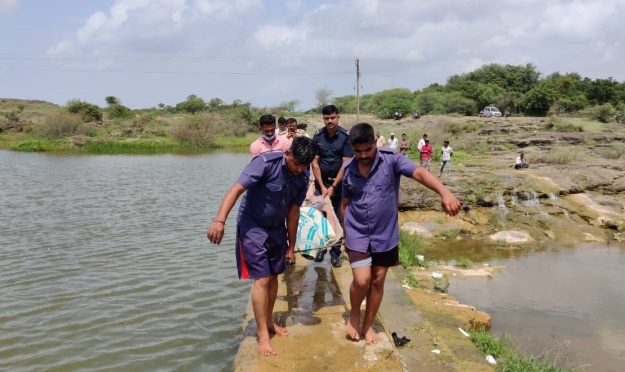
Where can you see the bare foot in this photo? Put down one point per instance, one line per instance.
(371, 337)
(264, 347)
(273, 328)
(352, 329)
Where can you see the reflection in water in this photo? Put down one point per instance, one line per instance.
(571, 297)
(104, 263)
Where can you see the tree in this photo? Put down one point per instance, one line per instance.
(323, 95)
(111, 100)
(192, 105)
(289, 106)
(89, 111)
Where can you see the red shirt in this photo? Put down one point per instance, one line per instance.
(426, 152)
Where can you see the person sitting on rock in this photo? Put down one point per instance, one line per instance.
(521, 162)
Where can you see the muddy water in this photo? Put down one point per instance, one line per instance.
(568, 301)
(104, 263)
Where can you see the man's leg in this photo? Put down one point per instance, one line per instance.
(272, 295)
(357, 293)
(374, 299)
(335, 251)
(442, 167)
(449, 168)
(260, 304)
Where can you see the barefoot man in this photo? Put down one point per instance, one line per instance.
(276, 184)
(369, 209)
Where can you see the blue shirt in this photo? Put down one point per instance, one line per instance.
(270, 191)
(332, 150)
(371, 215)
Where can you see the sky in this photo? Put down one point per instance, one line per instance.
(146, 52)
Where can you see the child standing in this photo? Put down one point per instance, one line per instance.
(426, 154)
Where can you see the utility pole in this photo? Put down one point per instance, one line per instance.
(357, 91)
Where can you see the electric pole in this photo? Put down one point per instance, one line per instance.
(357, 91)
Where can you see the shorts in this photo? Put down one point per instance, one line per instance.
(259, 255)
(366, 259)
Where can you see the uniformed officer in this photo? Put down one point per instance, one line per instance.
(333, 149)
(276, 185)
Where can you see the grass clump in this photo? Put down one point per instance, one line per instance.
(410, 246)
(560, 156)
(614, 150)
(464, 262)
(63, 124)
(509, 358)
(442, 283)
(449, 233)
(411, 280)
(557, 124)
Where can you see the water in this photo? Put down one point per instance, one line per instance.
(105, 265)
(569, 302)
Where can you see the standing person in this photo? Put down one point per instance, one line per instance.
(281, 126)
(392, 142)
(426, 154)
(276, 187)
(370, 217)
(422, 142)
(291, 130)
(403, 144)
(380, 140)
(268, 140)
(333, 150)
(447, 153)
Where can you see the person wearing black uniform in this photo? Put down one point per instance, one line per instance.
(333, 148)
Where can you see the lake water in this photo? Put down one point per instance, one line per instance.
(105, 265)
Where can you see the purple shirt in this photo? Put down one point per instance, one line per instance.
(371, 215)
(270, 192)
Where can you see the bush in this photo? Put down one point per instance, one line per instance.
(89, 112)
(557, 124)
(615, 150)
(62, 124)
(198, 131)
(117, 111)
(409, 247)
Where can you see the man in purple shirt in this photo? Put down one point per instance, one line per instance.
(276, 185)
(369, 209)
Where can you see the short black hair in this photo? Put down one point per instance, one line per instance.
(329, 110)
(291, 120)
(302, 126)
(267, 119)
(303, 150)
(281, 120)
(361, 133)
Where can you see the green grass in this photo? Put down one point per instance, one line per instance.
(409, 247)
(464, 262)
(510, 359)
(411, 280)
(449, 233)
(441, 284)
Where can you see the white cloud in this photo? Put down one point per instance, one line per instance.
(7, 5)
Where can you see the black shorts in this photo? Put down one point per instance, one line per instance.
(364, 259)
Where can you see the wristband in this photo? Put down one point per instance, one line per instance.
(224, 222)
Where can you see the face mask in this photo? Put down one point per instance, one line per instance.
(269, 138)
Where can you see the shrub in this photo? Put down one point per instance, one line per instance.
(197, 131)
(117, 111)
(561, 156)
(62, 124)
(615, 150)
(89, 112)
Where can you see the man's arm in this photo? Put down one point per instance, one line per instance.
(450, 204)
(215, 231)
(337, 180)
(292, 222)
(317, 172)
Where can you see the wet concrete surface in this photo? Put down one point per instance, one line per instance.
(313, 303)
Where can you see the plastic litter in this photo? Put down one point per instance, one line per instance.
(436, 351)
(464, 332)
(399, 341)
(437, 275)
(406, 286)
(490, 359)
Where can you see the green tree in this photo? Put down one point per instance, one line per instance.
(538, 101)
(192, 105)
(111, 100)
(89, 111)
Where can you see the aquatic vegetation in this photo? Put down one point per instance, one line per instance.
(410, 246)
(464, 262)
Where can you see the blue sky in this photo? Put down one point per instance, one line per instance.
(265, 52)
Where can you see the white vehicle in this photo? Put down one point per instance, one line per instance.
(491, 111)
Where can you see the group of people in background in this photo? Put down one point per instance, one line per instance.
(424, 147)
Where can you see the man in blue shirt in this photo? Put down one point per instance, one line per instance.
(276, 186)
(333, 150)
(369, 209)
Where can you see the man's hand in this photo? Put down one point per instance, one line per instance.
(450, 204)
(290, 256)
(215, 232)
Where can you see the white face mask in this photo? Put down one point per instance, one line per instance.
(269, 138)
